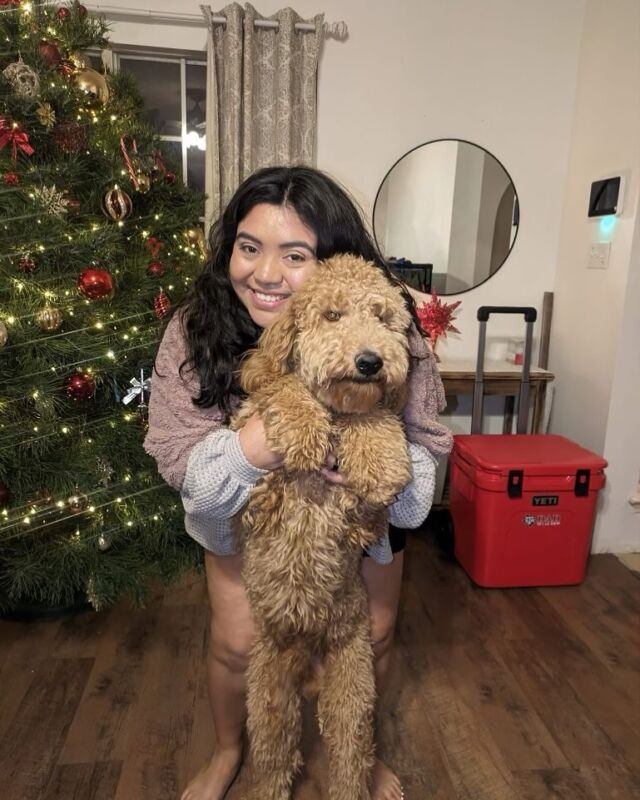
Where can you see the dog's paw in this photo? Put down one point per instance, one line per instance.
(374, 459)
(306, 447)
(297, 426)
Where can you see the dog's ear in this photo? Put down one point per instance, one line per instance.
(274, 355)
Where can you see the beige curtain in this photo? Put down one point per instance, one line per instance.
(261, 97)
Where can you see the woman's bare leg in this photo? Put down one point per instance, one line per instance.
(383, 584)
(231, 637)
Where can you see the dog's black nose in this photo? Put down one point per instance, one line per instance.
(368, 363)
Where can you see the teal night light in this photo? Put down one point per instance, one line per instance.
(608, 223)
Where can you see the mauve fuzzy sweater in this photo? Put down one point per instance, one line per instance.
(176, 425)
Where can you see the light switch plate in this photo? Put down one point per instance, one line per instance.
(599, 255)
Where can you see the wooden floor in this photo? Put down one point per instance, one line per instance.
(527, 694)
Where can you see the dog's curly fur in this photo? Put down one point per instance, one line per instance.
(302, 536)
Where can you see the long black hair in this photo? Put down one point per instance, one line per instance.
(217, 326)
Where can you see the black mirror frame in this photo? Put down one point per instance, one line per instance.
(516, 212)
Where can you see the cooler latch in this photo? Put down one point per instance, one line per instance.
(581, 487)
(514, 483)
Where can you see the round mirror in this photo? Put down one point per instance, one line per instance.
(446, 216)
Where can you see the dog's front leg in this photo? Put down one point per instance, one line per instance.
(296, 424)
(345, 711)
(373, 457)
(274, 719)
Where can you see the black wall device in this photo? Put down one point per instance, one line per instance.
(605, 197)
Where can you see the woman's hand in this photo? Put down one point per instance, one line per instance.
(253, 441)
(330, 472)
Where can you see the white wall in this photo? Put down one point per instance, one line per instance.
(595, 343)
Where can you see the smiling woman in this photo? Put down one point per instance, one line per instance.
(273, 255)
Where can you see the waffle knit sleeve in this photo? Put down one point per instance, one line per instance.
(414, 502)
(219, 478)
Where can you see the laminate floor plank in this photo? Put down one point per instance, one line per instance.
(100, 730)
(567, 717)
(26, 644)
(88, 781)
(30, 746)
(160, 736)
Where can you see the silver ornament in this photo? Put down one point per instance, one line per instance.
(23, 79)
(104, 542)
(4, 334)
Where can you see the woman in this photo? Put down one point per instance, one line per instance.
(275, 229)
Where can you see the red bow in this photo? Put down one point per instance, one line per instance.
(11, 132)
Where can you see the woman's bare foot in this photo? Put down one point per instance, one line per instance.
(213, 782)
(385, 785)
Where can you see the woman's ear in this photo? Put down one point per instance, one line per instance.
(273, 356)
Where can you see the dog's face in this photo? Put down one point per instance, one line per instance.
(345, 334)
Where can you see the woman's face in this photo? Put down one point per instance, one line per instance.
(273, 255)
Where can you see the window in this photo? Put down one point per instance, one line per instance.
(174, 89)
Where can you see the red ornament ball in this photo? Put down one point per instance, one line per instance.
(5, 495)
(63, 13)
(155, 268)
(50, 53)
(26, 265)
(95, 283)
(80, 386)
(11, 179)
(170, 177)
(161, 304)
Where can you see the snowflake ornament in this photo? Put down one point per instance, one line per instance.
(50, 200)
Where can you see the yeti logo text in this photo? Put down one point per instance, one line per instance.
(545, 500)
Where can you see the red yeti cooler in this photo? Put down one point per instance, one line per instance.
(522, 505)
(523, 508)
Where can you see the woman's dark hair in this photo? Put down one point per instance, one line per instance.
(217, 326)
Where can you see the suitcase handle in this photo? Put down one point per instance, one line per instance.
(529, 313)
(530, 316)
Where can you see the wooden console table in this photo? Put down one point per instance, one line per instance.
(500, 378)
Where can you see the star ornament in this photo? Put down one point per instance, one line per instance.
(436, 318)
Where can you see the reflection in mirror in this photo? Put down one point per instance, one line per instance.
(447, 210)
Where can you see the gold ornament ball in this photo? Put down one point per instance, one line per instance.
(49, 318)
(144, 182)
(78, 60)
(92, 83)
(4, 334)
(194, 237)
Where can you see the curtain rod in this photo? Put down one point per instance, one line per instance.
(337, 30)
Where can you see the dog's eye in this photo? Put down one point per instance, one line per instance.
(332, 316)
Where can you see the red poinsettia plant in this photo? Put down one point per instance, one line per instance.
(436, 318)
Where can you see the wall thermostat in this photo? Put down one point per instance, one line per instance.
(607, 197)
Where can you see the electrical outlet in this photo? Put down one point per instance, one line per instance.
(599, 255)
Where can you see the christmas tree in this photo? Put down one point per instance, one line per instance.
(99, 238)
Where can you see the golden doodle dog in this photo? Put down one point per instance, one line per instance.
(328, 376)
